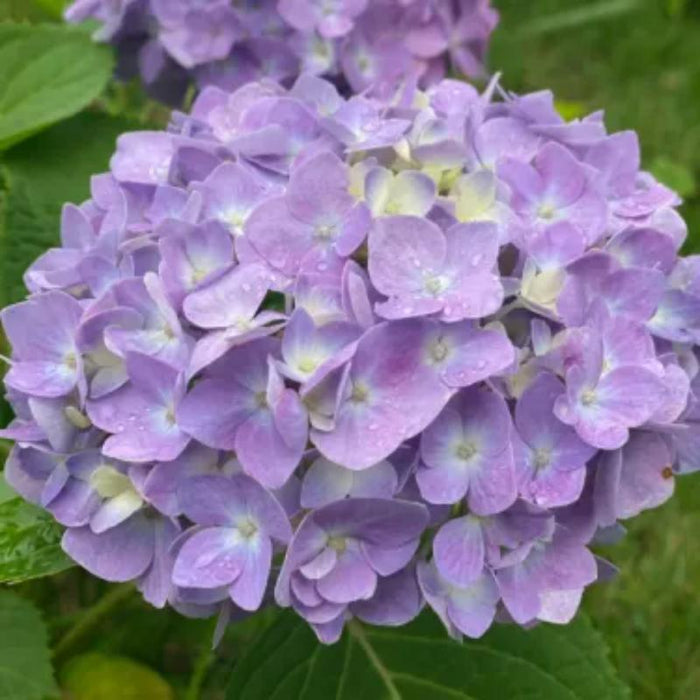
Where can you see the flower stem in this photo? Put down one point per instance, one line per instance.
(199, 673)
(90, 619)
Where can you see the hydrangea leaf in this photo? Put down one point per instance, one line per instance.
(30, 543)
(93, 676)
(37, 183)
(48, 73)
(420, 661)
(25, 669)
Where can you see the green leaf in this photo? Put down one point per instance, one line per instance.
(47, 73)
(30, 543)
(40, 175)
(419, 661)
(25, 666)
(99, 676)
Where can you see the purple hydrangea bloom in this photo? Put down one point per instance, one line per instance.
(340, 551)
(357, 357)
(237, 519)
(365, 44)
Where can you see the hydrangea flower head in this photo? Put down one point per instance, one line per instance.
(356, 357)
(359, 44)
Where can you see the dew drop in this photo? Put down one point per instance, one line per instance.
(476, 259)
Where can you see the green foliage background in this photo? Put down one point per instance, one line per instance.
(637, 59)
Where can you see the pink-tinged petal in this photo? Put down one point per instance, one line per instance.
(541, 430)
(646, 477)
(553, 488)
(141, 415)
(264, 452)
(249, 588)
(120, 554)
(589, 214)
(471, 354)
(230, 300)
(472, 297)
(387, 373)
(563, 175)
(628, 397)
(494, 488)
(281, 240)
(459, 551)
(352, 578)
(675, 395)
(402, 249)
(408, 306)
(560, 607)
(143, 157)
(230, 193)
(319, 185)
(210, 558)
(353, 231)
(568, 565)
(472, 247)
(524, 181)
(634, 292)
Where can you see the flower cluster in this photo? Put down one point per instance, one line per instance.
(356, 357)
(360, 44)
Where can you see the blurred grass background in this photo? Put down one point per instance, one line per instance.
(639, 60)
